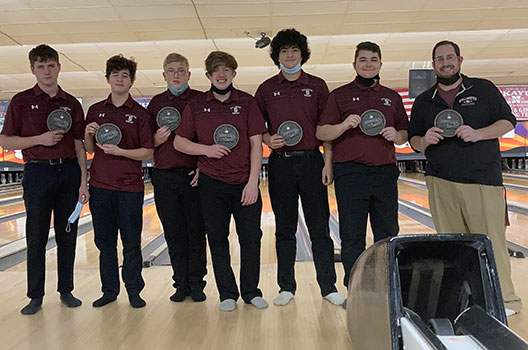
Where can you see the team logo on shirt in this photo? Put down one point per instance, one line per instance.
(34, 106)
(307, 92)
(67, 109)
(386, 101)
(468, 101)
(130, 118)
(235, 109)
(101, 115)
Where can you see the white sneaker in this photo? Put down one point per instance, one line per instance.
(335, 298)
(228, 305)
(283, 298)
(510, 312)
(259, 303)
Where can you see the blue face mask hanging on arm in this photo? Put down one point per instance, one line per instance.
(74, 216)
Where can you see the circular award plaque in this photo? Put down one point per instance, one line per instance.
(291, 131)
(59, 119)
(170, 117)
(449, 121)
(108, 134)
(372, 122)
(226, 135)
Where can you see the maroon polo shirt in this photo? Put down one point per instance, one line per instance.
(165, 156)
(205, 113)
(302, 101)
(27, 116)
(354, 145)
(115, 172)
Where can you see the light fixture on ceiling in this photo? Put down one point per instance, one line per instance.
(262, 42)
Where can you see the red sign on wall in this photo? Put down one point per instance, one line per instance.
(517, 98)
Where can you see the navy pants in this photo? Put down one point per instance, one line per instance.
(179, 209)
(220, 200)
(363, 190)
(114, 211)
(291, 178)
(47, 189)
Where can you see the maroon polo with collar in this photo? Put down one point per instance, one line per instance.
(354, 145)
(302, 101)
(27, 116)
(205, 113)
(165, 156)
(115, 172)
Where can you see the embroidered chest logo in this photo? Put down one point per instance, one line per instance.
(67, 109)
(130, 118)
(276, 93)
(208, 110)
(468, 101)
(101, 115)
(34, 106)
(354, 99)
(235, 109)
(386, 101)
(307, 92)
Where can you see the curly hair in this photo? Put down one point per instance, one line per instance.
(119, 62)
(288, 38)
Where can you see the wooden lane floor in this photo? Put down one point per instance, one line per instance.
(14, 229)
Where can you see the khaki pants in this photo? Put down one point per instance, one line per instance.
(473, 208)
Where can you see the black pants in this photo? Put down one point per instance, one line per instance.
(363, 190)
(289, 178)
(50, 188)
(113, 211)
(180, 212)
(219, 201)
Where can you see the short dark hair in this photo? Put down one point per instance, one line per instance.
(119, 62)
(288, 38)
(43, 53)
(219, 58)
(446, 42)
(368, 46)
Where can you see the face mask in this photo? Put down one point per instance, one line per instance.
(448, 81)
(178, 91)
(221, 92)
(74, 216)
(291, 71)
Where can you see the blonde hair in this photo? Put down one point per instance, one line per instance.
(176, 57)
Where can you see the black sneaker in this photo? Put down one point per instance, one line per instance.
(180, 295)
(69, 300)
(33, 307)
(136, 301)
(198, 295)
(107, 298)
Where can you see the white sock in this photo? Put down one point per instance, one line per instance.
(259, 303)
(335, 298)
(228, 305)
(283, 298)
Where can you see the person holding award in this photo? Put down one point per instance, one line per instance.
(364, 119)
(457, 123)
(119, 132)
(175, 178)
(224, 127)
(46, 123)
(292, 102)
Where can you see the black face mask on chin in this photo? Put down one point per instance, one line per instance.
(448, 81)
(369, 81)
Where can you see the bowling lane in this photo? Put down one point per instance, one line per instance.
(515, 233)
(512, 194)
(87, 255)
